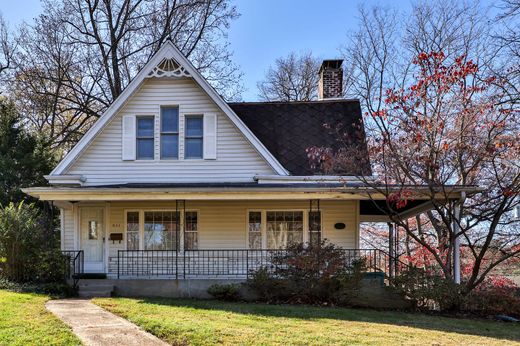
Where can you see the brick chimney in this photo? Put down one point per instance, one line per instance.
(330, 85)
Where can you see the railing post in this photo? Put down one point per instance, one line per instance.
(118, 260)
(247, 264)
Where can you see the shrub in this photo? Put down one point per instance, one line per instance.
(312, 274)
(227, 292)
(496, 295)
(427, 290)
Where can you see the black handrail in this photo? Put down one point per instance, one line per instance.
(229, 263)
(74, 265)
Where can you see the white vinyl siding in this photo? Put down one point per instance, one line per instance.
(237, 160)
(224, 224)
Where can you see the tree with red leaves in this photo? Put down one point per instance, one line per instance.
(450, 126)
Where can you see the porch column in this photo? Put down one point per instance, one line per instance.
(391, 248)
(456, 243)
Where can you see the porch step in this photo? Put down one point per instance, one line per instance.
(95, 288)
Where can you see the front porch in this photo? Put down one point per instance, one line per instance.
(215, 231)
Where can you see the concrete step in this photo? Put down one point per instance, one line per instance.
(100, 286)
(95, 288)
(94, 294)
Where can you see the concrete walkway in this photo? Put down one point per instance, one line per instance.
(96, 326)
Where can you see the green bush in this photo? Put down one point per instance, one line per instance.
(265, 286)
(227, 292)
(310, 274)
(428, 291)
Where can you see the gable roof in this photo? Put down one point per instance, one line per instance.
(167, 51)
(287, 129)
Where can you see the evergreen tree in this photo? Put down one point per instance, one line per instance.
(24, 158)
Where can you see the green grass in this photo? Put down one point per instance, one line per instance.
(25, 321)
(195, 322)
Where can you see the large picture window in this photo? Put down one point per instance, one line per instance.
(284, 228)
(160, 230)
(169, 133)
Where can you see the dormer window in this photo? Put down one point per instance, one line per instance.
(169, 133)
(193, 137)
(145, 138)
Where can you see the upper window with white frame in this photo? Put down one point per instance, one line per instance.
(145, 138)
(169, 133)
(193, 137)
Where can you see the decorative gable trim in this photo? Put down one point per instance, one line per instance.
(168, 68)
(158, 64)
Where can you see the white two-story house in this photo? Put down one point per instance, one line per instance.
(174, 182)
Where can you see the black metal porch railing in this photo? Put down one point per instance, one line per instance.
(74, 265)
(238, 263)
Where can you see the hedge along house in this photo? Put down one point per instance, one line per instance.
(173, 182)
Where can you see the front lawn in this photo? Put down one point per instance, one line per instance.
(25, 321)
(196, 322)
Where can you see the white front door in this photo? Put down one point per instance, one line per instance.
(92, 232)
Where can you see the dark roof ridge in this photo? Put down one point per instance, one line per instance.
(294, 102)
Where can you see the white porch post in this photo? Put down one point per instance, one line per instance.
(456, 243)
(391, 248)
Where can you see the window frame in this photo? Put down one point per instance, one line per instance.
(141, 212)
(186, 136)
(263, 226)
(185, 231)
(169, 133)
(137, 137)
(320, 232)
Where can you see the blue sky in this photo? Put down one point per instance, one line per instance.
(266, 30)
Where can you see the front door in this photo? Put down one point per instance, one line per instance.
(92, 238)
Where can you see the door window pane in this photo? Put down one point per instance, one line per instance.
(284, 228)
(92, 230)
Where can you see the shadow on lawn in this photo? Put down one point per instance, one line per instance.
(475, 327)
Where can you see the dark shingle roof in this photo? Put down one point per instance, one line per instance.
(287, 129)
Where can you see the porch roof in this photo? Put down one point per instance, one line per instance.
(234, 191)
